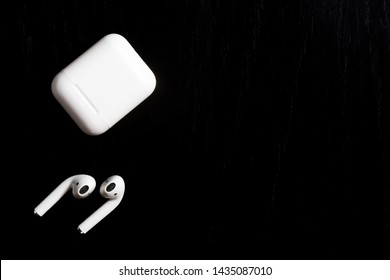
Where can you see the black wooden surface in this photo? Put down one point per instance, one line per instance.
(267, 136)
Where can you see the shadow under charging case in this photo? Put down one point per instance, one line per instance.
(103, 84)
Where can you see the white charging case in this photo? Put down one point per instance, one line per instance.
(103, 84)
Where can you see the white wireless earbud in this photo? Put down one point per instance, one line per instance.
(81, 185)
(113, 189)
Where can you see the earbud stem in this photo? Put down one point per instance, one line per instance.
(98, 215)
(53, 198)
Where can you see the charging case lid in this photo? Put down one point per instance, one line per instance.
(103, 84)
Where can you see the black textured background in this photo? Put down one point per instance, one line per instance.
(267, 136)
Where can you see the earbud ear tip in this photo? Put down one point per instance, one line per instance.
(112, 187)
(84, 186)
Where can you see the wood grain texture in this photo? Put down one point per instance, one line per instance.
(267, 136)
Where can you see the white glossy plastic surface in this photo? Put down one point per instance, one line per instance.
(104, 84)
(74, 183)
(114, 197)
